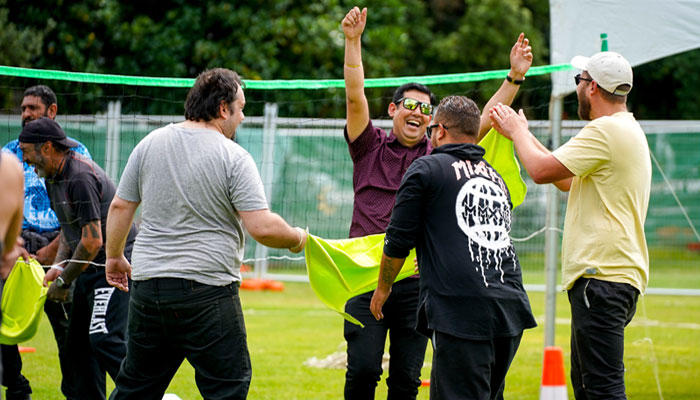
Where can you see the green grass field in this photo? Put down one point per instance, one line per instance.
(287, 328)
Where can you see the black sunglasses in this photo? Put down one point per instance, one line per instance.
(429, 129)
(578, 78)
(411, 104)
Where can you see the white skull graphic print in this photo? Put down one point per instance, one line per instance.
(483, 213)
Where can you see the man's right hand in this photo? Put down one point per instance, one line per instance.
(354, 23)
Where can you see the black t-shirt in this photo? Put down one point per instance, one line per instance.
(81, 193)
(455, 209)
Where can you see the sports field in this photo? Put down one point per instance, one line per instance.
(287, 328)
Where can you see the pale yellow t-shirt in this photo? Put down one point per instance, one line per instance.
(604, 226)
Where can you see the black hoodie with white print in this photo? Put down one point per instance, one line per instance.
(455, 209)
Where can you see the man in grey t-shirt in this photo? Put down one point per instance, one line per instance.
(198, 191)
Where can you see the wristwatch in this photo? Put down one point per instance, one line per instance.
(61, 284)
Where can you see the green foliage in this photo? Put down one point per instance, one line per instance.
(667, 88)
(274, 40)
(292, 39)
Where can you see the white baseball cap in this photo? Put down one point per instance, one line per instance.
(608, 69)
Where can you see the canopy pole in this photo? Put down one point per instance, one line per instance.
(551, 241)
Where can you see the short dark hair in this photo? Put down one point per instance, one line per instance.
(398, 94)
(43, 92)
(615, 98)
(211, 88)
(460, 115)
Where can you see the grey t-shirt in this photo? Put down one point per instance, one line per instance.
(191, 184)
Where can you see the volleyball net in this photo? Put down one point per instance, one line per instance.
(294, 131)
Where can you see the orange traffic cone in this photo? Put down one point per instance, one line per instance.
(553, 379)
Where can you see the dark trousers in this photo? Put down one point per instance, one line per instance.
(366, 345)
(17, 385)
(470, 369)
(59, 317)
(97, 333)
(171, 320)
(600, 311)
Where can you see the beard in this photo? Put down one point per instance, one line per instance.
(30, 119)
(39, 165)
(584, 108)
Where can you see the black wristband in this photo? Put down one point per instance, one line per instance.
(514, 81)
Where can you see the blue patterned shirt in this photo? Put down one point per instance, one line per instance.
(38, 215)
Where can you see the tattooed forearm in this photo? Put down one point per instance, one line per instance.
(389, 269)
(77, 263)
(86, 250)
(93, 230)
(63, 252)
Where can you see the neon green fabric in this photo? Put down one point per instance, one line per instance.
(501, 156)
(340, 269)
(22, 302)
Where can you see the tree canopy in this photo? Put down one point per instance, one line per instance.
(290, 39)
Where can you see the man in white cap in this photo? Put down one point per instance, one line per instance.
(605, 263)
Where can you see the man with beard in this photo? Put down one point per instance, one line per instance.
(605, 263)
(379, 161)
(80, 194)
(199, 192)
(40, 231)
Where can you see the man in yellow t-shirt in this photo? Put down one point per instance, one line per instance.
(605, 263)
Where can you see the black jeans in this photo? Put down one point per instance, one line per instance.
(171, 320)
(600, 311)
(366, 345)
(97, 333)
(470, 369)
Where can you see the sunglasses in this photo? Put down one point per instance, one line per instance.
(411, 104)
(429, 129)
(578, 78)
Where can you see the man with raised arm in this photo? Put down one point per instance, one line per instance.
(199, 192)
(80, 194)
(605, 262)
(455, 209)
(380, 161)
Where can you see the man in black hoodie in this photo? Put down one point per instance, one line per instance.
(455, 209)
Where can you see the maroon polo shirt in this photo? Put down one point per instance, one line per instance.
(379, 162)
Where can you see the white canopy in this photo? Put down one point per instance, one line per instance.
(640, 30)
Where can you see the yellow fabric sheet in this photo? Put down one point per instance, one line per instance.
(22, 302)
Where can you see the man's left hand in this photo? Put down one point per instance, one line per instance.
(118, 272)
(57, 294)
(520, 57)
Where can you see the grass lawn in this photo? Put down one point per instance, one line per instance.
(287, 328)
